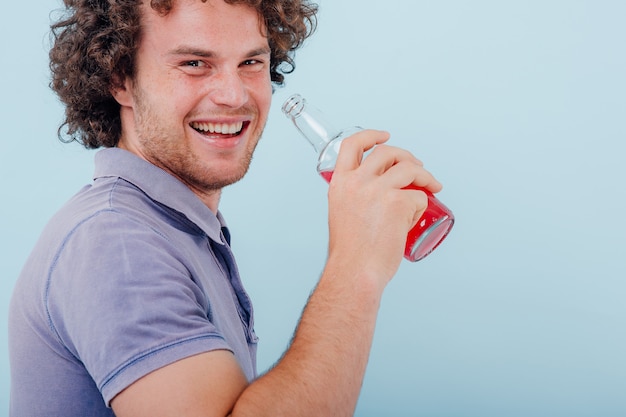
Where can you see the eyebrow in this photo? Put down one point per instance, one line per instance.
(186, 50)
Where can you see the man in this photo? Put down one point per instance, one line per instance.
(131, 303)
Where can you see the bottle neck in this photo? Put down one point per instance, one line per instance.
(310, 122)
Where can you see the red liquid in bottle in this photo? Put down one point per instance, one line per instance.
(429, 231)
(327, 175)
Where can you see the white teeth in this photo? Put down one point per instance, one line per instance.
(222, 128)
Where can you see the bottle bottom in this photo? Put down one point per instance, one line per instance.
(428, 239)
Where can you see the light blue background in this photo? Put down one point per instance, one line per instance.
(517, 107)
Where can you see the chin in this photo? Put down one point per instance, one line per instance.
(215, 180)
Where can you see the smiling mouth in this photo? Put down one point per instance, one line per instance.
(228, 129)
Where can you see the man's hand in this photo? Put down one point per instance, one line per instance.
(370, 211)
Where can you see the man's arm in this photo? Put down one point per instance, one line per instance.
(322, 371)
(319, 375)
(205, 385)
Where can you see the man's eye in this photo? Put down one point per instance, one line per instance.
(253, 65)
(194, 63)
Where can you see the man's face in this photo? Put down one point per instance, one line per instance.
(201, 92)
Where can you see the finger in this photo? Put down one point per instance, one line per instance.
(420, 204)
(384, 157)
(406, 174)
(353, 148)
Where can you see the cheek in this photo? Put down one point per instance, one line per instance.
(175, 92)
(263, 95)
(176, 96)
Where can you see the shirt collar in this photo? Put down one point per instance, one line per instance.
(160, 186)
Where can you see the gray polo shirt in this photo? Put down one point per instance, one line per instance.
(132, 274)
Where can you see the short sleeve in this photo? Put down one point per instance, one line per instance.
(122, 301)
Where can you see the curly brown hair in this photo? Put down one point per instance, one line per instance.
(94, 47)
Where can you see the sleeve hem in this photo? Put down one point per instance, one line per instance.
(141, 365)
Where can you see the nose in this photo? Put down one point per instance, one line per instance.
(228, 89)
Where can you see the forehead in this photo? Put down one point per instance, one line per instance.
(203, 20)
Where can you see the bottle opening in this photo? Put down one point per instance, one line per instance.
(294, 105)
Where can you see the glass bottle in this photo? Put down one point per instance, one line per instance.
(436, 221)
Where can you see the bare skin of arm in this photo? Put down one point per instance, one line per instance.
(322, 371)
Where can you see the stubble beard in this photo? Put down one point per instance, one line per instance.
(166, 147)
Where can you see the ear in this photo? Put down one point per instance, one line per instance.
(123, 93)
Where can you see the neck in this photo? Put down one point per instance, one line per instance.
(211, 199)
